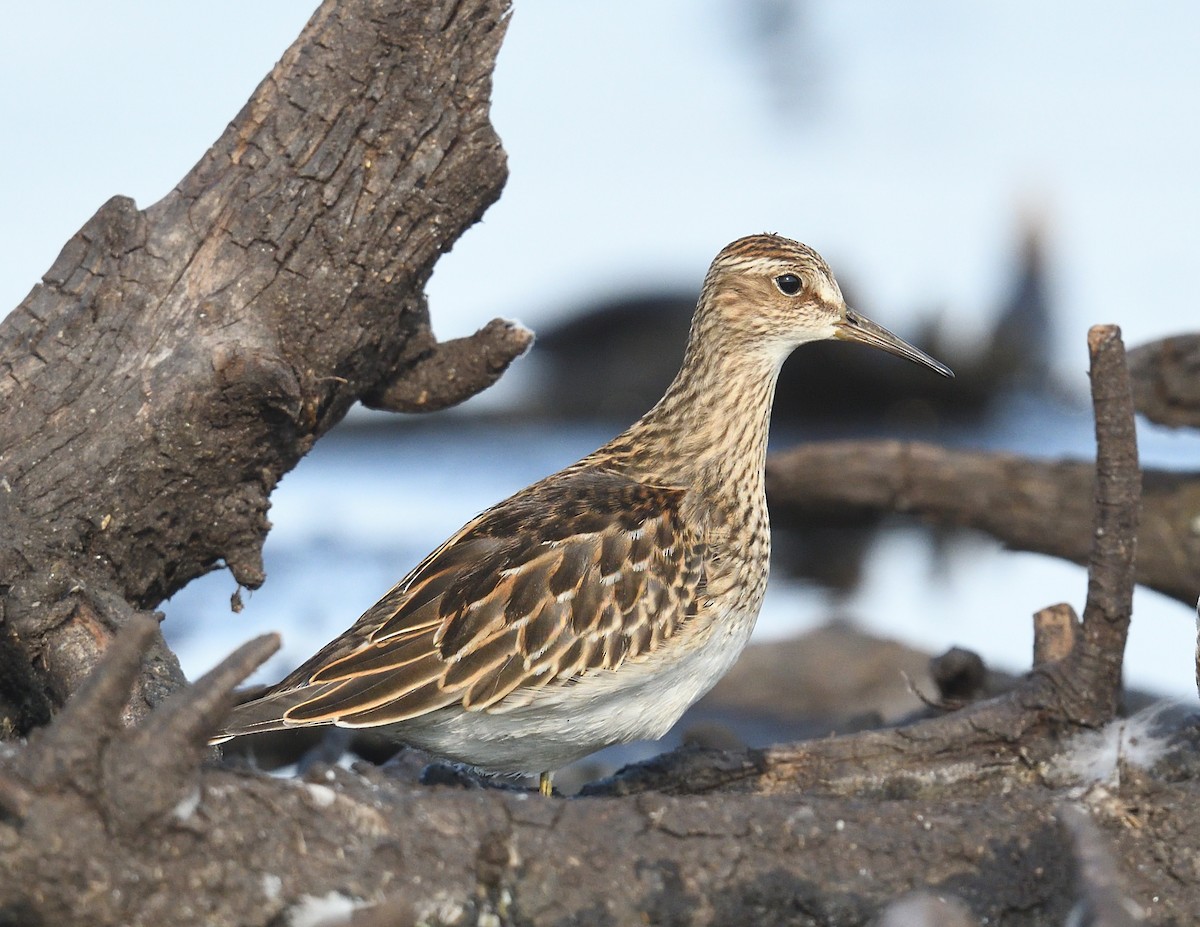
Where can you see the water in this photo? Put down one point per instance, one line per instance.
(367, 504)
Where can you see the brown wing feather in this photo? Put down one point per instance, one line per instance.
(571, 575)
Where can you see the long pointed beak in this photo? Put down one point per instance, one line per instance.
(857, 328)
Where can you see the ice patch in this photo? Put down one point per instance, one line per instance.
(326, 911)
(187, 806)
(322, 795)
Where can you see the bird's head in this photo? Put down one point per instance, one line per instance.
(772, 294)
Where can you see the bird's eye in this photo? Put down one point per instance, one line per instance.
(789, 284)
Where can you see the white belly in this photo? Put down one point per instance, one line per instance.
(640, 700)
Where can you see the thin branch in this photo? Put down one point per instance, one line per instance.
(448, 372)
(1100, 649)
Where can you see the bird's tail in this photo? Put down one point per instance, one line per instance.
(264, 713)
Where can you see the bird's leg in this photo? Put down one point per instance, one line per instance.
(544, 784)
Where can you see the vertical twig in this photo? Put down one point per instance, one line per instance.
(1095, 663)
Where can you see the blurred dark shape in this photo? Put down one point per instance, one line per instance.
(829, 548)
(613, 361)
(959, 675)
(1166, 380)
(710, 734)
(1020, 349)
(828, 678)
(781, 48)
(277, 749)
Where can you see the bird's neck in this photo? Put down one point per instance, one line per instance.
(710, 428)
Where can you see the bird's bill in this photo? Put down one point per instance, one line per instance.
(855, 327)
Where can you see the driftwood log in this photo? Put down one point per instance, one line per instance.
(177, 360)
(1042, 506)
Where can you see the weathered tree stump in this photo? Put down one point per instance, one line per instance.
(177, 360)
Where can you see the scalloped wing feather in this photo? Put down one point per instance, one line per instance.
(581, 572)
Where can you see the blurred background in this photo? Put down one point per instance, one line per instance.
(985, 179)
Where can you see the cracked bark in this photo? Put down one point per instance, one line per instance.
(154, 838)
(176, 360)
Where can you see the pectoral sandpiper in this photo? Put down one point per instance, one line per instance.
(596, 605)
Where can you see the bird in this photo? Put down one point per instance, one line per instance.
(597, 604)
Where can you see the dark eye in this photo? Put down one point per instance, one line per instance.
(789, 284)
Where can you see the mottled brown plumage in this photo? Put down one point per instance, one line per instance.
(595, 605)
(569, 576)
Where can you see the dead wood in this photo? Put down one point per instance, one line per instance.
(177, 360)
(1166, 380)
(1056, 628)
(828, 832)
(1034, 505)
(215, 846)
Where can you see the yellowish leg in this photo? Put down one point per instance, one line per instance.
(544, 785)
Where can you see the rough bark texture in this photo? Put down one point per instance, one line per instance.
(153, 839)
(176, 361)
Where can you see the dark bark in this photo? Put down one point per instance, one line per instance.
(155, 839)
(1166, 380)
(1034, 505)
(177, 360)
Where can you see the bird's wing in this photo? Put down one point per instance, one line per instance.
(581, 572)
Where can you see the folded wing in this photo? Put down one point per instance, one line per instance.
(573, 575)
